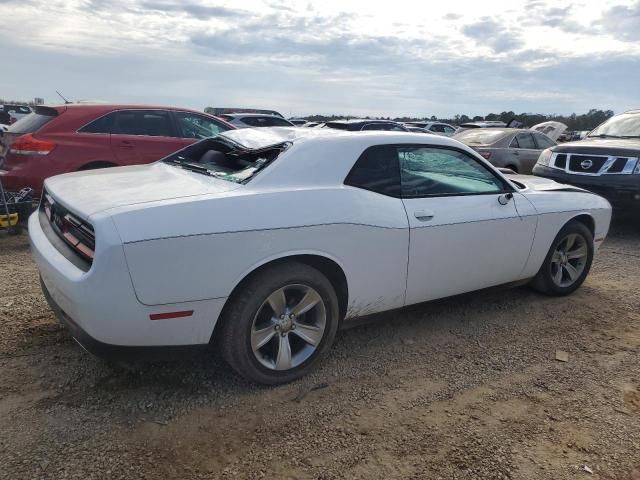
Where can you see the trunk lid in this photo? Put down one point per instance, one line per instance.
(89, 192)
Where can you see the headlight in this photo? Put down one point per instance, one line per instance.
(544, 157)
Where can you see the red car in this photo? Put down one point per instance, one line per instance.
(67, 138)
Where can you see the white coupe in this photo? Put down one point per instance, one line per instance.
(261, 241)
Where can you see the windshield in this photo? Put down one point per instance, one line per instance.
(219, 158)
(481, 136)
(623, 125)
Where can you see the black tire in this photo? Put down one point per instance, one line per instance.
(513, 167)
(234, 336)
(544, 280)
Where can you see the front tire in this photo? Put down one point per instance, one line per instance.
(280, 323)
(568, 262)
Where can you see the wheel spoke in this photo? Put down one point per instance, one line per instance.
(556, 258)
(309, 333)
(558, 275)
(571, 271)
(571, 239)
(579, 252)
(283, 360)
(278, 302)
(259, 338)
(310, 300)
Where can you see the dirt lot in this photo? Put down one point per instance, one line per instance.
(462, 388)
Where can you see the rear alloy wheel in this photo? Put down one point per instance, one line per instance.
(282, 321)
(568, 261)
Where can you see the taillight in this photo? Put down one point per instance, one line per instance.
(12, 120)
(28, 145)
(485, 155)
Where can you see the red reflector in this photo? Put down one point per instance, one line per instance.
(486, 155)
(170, 315)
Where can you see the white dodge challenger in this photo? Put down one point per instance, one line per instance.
(262, 241)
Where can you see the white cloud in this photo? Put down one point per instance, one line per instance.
(362, 57)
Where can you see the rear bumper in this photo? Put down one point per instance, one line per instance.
(117, 352)
(619, 189)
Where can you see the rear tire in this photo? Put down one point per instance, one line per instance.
(280, 324)
(568, 261)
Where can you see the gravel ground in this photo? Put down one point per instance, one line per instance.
(463, 388)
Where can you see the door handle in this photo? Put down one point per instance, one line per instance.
(516, 152)
(126, 144)
(423, 215)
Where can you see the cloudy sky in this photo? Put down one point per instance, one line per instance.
(332, 56)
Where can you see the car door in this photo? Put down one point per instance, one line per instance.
(524, 152)
(144, 136)
(465, 230)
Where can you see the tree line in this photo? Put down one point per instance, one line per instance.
(583, 121)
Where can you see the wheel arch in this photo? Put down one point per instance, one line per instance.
(587, 220)
(326, 264)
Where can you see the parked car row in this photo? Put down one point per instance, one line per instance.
(88, 136)
(10, 114)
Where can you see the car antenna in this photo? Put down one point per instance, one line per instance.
(66, 102)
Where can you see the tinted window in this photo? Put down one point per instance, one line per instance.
(514, 143)
(191, 125)
(543, 141)
(525, 140)
(439, 171)
(103, 124)
(437, 128)
(448, 129)
(377, 170)
(152, 123)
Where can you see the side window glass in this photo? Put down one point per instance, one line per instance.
(151, 123)
(543, 141)
(437, 128)
(525, 140)
(377, 170)
(126, 123)
(156, 123)
(439, 171)
(103, 124)
(514, 143)
(197, 126)
(448, 129)
(374, 126)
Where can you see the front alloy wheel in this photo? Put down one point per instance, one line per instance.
(568, 261)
